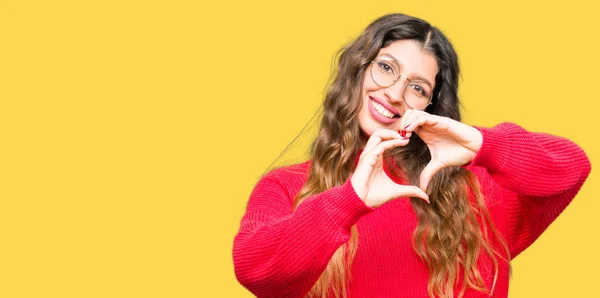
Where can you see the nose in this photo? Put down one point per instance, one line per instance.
(395, 92)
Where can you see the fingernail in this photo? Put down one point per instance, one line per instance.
(403, 133)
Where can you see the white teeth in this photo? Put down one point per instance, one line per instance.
(383, 111)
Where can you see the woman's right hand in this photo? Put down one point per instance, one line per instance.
(369, 180)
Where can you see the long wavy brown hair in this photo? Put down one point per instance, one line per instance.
(452, 231)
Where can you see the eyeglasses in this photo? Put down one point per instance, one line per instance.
(385, 72)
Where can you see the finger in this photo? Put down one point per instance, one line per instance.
(404, 121)
(380, 135)
(369, 159)
(386, 134)
(371, 143)
(372, 156)
(411, 191)
(423, 119)
(409, 121)
(385, 145)
(410, 116)
(405, 134)
(431, 169)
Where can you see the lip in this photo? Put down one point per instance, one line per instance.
(385, 105)
(378, 117)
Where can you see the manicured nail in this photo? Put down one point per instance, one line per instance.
(403, 133)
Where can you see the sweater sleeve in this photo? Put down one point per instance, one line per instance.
(281, 253)
(538, 175)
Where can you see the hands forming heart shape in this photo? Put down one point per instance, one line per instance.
(451, 143)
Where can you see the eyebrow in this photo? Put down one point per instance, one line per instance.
(419, 78)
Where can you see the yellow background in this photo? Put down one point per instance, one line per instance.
(132, 132)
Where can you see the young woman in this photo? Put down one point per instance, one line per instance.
(401, 199)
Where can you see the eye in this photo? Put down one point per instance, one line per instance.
(420, 90)
(386, 67)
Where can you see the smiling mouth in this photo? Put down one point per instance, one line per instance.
(383, 111)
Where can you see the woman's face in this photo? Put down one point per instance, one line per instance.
(382, 107)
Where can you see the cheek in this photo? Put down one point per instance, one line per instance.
(368, 84)
(364, 121)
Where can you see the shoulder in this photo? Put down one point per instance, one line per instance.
(295, 171)
(291, 177)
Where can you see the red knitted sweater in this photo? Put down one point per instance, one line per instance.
(527, 180)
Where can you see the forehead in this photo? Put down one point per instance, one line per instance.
(414, 60)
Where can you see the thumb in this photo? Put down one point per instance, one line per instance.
(431, 169)
(410, 191)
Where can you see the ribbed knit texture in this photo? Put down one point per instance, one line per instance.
(527, 180)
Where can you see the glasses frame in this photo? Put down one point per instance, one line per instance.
(395, 81)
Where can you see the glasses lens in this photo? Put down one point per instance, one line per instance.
(417, 95)
(384, 72)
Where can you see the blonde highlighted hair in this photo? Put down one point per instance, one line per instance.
(452, 232)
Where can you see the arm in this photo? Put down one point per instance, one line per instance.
(538, 174)
(280, 253)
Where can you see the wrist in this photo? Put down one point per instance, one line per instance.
(360, 191)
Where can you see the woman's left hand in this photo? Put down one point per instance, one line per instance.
(451, 143)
